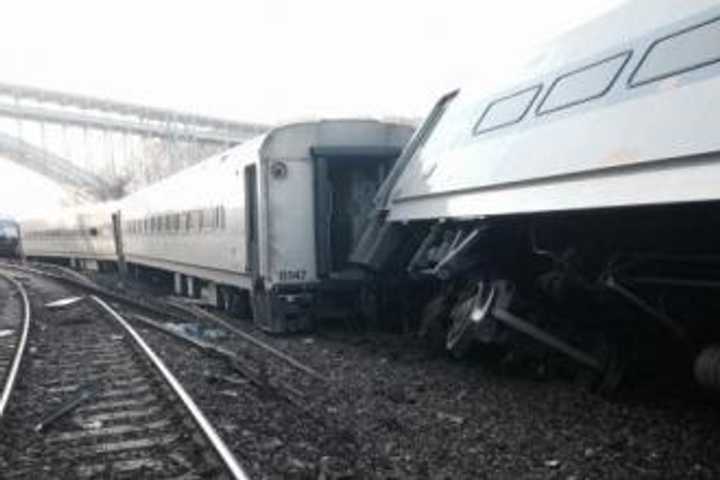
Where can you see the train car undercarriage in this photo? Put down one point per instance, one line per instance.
(614, 293)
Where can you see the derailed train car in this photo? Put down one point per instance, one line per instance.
(269, 223)
(574, 207)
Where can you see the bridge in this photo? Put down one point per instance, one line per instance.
(161, 135)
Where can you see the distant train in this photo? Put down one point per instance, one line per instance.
(268, 225)
(574, 208)
(9, 238)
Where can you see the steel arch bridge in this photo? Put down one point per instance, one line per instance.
(50, 107)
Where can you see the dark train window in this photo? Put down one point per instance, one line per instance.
(691, 48)
(584, 84)
(507, 110)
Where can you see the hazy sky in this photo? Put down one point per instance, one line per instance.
(274, 60)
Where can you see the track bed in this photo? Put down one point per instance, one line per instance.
(122, 420)
(390, 410)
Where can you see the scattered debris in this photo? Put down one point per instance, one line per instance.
(552, 463)
(456, 419)
(213, 333)
(193, 309)
(85, 394)
(195, 330)
(90, 425)
(192, 329)
(64, 302)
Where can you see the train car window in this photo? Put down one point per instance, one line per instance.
(507, 110)
(584, 84)
(689, 49)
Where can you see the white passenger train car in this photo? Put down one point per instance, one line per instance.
(614, 114)
(593, 171)
(83, 235)
(275, 218)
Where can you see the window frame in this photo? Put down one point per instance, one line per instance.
(631, 80)
(626, 53)
(538, 89)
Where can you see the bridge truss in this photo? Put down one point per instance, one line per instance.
(47, 108)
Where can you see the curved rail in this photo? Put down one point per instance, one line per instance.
(20, 349)
(211, 435)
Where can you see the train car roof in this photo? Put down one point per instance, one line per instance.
(623, 24)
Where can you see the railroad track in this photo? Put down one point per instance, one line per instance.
(14, 328)
(93, 400)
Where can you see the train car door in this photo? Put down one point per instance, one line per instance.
(252, 265)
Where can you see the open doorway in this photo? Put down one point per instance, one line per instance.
(346, 180)
(251, 221)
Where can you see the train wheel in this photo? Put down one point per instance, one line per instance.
(470, 311)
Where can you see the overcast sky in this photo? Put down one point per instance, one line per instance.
(274, 60)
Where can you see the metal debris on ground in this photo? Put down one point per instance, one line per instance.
(64, 302)
(90, 425)
(67, 407)
(191, 329)
(457, 420)
(6, 333)
(255, 341)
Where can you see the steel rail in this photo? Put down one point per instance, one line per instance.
(93, 287)
(210, 433)
(11, 377)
